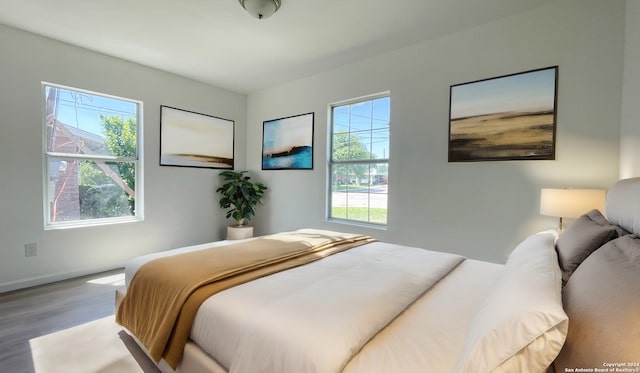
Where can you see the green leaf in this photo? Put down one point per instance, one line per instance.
(240, 194)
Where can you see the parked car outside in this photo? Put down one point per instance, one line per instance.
(380, 179)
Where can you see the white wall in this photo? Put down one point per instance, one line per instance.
(180, 203)
(477, 209)
(630, 125)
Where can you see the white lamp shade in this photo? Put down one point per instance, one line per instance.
(260, 9)
(571, 203)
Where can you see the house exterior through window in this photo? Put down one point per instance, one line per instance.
(359, 160)
(92, 165)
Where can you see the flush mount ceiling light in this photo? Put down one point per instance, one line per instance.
(260, 9)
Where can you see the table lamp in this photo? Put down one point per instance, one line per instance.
(570, 203)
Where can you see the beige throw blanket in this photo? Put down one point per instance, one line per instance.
(165, 294)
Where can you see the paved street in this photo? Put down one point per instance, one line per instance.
(361, 197)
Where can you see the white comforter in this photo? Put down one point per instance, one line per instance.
(332, 315)
(332, 309)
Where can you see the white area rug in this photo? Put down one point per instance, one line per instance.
(96, 347)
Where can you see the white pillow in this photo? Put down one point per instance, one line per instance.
(521, 326)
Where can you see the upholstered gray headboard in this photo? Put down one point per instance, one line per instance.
(602, 296)
(623, 204)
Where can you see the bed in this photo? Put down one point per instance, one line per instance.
(563, 303)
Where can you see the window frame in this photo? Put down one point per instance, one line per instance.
(137, 161)
(331, 163)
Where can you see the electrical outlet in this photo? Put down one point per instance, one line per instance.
(30, 249)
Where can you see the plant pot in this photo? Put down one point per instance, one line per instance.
(235, 232)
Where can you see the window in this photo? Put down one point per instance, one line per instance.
(93, 171)
(359, 160)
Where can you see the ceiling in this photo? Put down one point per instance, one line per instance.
(217, 42)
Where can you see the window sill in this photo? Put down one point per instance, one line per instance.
(382, 227)
(92, 223)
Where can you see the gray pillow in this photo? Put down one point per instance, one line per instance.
(581, 238)
(602, 300)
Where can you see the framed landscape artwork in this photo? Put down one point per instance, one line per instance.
(287, 143)
(511, 117)
(189, 139)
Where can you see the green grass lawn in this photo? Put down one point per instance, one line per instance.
(378, 215)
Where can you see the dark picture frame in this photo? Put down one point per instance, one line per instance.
(287, 143)
(509, 117)
(190, 139)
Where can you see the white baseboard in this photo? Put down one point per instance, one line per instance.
(50, 278)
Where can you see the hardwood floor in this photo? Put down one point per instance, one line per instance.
(41, 310)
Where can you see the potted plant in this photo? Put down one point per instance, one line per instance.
(240, 195)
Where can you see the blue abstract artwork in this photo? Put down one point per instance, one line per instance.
(287, 143)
